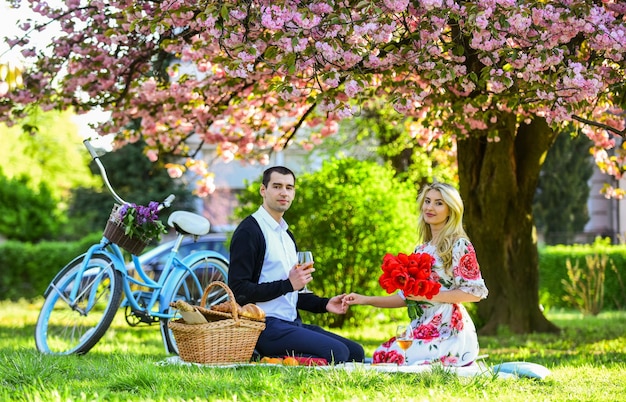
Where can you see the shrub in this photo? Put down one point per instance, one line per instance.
(41, 220)
(553, 270)
(28, 268)
(585, 285)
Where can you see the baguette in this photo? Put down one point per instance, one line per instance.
(182, 305)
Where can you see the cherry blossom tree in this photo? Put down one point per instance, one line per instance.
(497, 78)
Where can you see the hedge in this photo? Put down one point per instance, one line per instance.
(27, 269)
(553, 270)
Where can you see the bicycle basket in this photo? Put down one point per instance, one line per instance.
(115, 231)
(228, 340)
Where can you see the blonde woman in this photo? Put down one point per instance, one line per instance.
(444, 331)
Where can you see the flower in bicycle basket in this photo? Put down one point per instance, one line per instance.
(413, 275)
(141, 221)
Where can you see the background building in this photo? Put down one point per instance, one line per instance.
(607, 217)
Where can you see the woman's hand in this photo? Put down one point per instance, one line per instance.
(353, 298)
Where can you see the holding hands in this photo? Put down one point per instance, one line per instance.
(353, 298)
(336, 305)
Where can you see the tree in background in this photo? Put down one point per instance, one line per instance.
(498, 78)
(349, 214)
(42, 158)
(135, 179)
(378, 135)
(560, 205)
(47, 148)
(27, 214)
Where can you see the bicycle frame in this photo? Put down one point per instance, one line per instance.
(173, 271)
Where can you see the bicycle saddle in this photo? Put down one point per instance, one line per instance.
(189, 223)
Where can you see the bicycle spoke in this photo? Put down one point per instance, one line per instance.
(67, 325)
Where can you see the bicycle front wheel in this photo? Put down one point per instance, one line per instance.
(190, 288)
(79, 306)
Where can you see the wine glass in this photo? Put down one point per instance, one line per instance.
(404, 338)
(303, 258)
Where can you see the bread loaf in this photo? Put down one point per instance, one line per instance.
(182, 305)
(253, 311)
(226, 307)
(250, 310)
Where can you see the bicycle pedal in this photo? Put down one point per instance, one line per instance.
(140, 317)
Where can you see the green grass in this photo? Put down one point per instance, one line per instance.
(587, 361)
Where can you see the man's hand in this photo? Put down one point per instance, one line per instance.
(336, 305)
(300, 275)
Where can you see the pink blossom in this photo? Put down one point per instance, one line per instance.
(241, 83)
(352, 88)
(153, 155)
(175, 171)
(431, 4)
(329, 128)
(205, 187)
(396, 6)
(320, 8)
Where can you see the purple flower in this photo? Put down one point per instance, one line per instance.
(141, 221)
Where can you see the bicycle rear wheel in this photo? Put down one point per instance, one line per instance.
(73, 326)
(190, 288)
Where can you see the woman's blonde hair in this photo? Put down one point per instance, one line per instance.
(452, 230)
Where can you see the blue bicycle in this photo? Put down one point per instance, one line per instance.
(82, 300)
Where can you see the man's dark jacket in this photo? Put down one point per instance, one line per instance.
(247, 252)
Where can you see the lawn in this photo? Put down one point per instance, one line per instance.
(587, 362)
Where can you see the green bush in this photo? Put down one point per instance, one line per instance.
(553, 270)
(28, 268)
(26, 214)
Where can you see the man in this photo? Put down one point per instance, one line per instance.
(264, 270)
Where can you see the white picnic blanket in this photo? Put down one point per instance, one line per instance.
(479, 368)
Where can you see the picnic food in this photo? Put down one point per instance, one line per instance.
(272, 360)
(290, 361)
(285, 361)
(250, 310)
(182, 305)
(253, 311)
(225, 307)
(190, 313)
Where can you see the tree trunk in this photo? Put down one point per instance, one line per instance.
(497, 182)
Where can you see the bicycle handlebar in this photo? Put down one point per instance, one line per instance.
(94, 155)
(91, 149)
(167, 202)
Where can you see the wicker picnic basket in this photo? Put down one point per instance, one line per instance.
(227, 338)
(115, 231)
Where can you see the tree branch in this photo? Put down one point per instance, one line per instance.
(621, 133)
(296, 126)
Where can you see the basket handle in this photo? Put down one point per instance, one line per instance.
(231, 297)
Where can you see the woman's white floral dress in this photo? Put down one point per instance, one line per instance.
(444, 332)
